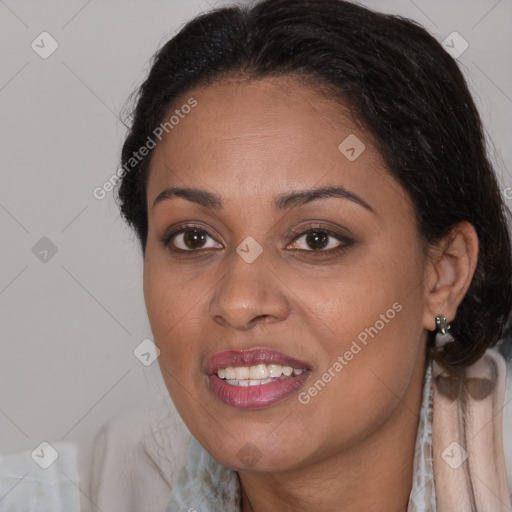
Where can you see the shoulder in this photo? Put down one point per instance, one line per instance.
(136, 460)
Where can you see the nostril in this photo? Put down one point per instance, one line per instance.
(260, 318)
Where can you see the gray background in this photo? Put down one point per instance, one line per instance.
(69, 324)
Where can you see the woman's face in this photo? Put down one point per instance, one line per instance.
(250, 274)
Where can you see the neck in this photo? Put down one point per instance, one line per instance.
(374, 475)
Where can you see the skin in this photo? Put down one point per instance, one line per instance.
(352, 446)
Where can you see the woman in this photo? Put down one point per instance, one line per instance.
(326, 263)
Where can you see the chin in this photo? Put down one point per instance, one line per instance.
(245, 453)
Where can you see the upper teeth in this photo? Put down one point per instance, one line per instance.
(259, 371)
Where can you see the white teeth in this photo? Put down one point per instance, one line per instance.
(275, 370)
(257, 374)
(241, 372)
(287, 370)
(247, 383)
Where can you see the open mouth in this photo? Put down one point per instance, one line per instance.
(255, 378)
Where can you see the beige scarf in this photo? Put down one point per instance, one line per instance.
(467, 437)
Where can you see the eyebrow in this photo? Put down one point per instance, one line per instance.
(293, 199)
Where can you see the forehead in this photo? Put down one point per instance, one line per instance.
(264, 137)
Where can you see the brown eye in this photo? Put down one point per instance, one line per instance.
(193, 238)
(189, 239)
(320, 240)
(317, 239)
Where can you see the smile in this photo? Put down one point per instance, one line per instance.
(271, 377)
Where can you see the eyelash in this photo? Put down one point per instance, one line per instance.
(345, 242)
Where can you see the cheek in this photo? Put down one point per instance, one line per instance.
(366, 370)
(369, 325)
(376, 293)
(174, 311)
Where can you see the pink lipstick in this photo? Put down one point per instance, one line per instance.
(256, 378)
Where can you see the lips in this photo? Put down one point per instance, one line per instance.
(259, 395)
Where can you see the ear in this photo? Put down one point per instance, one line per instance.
(449, 270)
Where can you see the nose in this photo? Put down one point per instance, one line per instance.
(248, 294)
